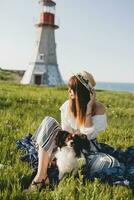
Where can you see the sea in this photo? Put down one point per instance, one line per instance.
(129, 87)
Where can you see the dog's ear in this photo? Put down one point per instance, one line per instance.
(82, 142)
(60, 138)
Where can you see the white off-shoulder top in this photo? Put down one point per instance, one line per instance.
(68, 123)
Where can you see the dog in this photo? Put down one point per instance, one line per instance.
(71, 148)
(66, 155)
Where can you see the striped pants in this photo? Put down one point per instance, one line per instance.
(46, 133)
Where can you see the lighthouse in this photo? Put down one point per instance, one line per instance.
(43, 68)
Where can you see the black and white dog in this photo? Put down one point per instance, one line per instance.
(71, 148)
(66, 154)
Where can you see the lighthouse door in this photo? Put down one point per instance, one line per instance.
(37, 79)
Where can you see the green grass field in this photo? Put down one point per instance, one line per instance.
(22, 109)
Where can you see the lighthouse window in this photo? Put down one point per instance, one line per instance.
(41, 56)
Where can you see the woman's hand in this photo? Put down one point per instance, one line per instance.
(91, 103)
(77, 132)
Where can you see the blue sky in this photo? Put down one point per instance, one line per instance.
(94, 35)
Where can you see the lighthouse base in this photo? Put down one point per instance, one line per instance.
(44, 75)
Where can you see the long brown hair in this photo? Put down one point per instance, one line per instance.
(78, 106)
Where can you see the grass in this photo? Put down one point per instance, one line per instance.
(22, 109)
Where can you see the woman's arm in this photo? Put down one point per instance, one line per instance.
(95, 108)
(90, 129)
(89, 112)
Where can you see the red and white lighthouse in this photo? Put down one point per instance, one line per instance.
(43, 69)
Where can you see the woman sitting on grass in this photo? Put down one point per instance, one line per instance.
(81, 114)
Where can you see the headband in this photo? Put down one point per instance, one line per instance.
(84, 81)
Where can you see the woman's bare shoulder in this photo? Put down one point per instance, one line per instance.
(100, 109)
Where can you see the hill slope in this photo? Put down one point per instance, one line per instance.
(13, 76)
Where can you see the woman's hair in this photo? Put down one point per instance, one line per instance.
(78, 105)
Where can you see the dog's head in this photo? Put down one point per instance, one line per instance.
(81, 144)
(78, 142)
(63, 138)
(81, 141)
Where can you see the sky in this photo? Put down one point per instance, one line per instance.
(94, 35)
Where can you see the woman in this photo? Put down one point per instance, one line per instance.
(80, 114)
